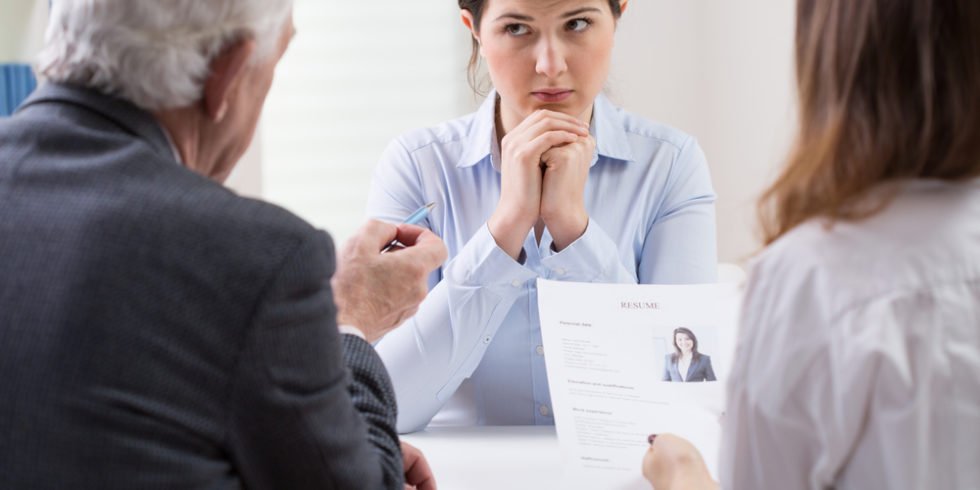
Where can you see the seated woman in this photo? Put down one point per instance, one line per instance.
(859, 359)
(686, 364)
(547, 179)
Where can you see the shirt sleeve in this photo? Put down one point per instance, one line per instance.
(396, 190)
(593, 257)
(310, 407)
(680, 245)
(709, 371)
(433, 352)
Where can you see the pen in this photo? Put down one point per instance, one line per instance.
(414, 218)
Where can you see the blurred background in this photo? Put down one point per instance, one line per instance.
(360, 73)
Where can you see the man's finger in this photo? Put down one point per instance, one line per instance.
(373, 236)
(426, 248)
(408, 234)
(417, 470)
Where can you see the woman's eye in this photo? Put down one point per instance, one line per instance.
(516, 29)
(578, 25)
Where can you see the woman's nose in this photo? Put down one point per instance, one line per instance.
(550, 59)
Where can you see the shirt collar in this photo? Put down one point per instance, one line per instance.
(173, 146)
(481, 138)
(608, 128)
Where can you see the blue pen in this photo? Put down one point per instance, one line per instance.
(414, 218)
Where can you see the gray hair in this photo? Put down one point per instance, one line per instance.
(153, 53)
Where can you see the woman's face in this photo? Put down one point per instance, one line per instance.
(684, 343)
(546, 54)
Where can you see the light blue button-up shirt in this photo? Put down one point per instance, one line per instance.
(473, 350)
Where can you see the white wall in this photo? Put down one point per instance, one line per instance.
(21, 29)
(246, 178)
(357, 75)
(722, 71)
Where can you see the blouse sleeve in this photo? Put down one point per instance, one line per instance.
(433, 352)
(680, 245)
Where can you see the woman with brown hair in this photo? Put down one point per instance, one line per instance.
(859, 359)
(686, 364)
(547, 179)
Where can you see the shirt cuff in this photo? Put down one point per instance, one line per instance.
(483, 263)
(593, 257)
(351, 330)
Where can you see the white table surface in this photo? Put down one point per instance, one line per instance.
(476, 458)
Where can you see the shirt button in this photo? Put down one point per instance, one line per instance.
(516, 283)
(486, 340)
(560, 271)
(544, 410)
(540, 350)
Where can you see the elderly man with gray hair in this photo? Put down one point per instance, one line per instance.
(157, 330)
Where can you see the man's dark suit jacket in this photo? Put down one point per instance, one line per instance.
(159, 331)
(699, 370)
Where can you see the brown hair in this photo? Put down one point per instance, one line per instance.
(888, 90)
(695, 355)
(476, 7)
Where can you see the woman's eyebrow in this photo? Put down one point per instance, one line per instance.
(581, 11)
(528, 18)
(511, 15)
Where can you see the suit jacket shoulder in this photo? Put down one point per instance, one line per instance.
(152, 322)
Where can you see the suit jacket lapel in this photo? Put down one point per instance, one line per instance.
(692, 369)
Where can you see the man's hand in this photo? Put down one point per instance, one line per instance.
(376, 292)
(673, 463)
(418, 475)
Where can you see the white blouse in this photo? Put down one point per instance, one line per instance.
(858, 360)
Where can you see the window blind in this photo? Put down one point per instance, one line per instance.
(357, 75)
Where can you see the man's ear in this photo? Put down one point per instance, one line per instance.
(467, 17)
(227, 70)
(622, 6)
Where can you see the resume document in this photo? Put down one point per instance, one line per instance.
(625, 361)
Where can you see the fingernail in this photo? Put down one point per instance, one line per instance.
(651, 438)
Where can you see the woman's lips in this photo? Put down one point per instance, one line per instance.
(552, 96)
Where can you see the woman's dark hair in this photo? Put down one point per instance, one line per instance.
(476, 7)
(888, 90)
(677, 350)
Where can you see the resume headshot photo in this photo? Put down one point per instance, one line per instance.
(686, 364)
